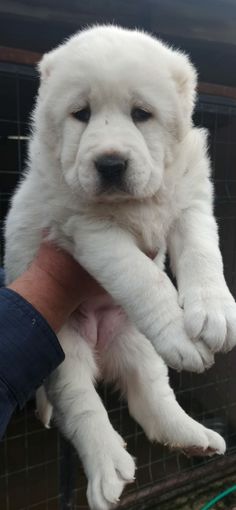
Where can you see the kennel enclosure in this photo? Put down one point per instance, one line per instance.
(39, 470)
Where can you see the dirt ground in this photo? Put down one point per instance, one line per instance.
(197, 499)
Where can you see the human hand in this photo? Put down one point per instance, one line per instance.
(55, 284)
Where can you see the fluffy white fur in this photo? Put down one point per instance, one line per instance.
(166, 204)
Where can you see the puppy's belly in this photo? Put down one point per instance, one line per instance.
(99, 320)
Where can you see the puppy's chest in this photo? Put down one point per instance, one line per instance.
(149, 223)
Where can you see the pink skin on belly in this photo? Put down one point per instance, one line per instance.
(99, 320)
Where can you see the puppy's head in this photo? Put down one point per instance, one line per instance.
(113, 104)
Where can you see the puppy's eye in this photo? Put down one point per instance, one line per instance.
(83, 115)
(140, 115)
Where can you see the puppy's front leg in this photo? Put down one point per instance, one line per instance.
(137, 284)
(209, 308)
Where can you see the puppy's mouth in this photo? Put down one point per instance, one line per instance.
(117, 186)
(109, 192)
(114, 192)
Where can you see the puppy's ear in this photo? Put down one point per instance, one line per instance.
(46, 65)
(185, 77)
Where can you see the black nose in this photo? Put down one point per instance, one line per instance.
(111, 168)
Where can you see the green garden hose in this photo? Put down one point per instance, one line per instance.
(218, 498)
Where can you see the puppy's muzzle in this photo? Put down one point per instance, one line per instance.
(111, 169)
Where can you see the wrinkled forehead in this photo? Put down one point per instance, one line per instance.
(109, 70)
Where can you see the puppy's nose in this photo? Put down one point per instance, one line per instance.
(111, 168)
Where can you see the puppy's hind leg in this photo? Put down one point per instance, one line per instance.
(143, 377)
(82, 417)
(44, 410)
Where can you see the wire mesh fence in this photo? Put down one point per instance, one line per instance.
(38, 469)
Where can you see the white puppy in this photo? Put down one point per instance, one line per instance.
(118, 175)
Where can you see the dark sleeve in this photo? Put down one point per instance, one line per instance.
(29, 351)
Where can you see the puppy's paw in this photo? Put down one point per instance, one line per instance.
(213, 445)
(114, 468)
(194, 439)
(210, 314)
(179, 352)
